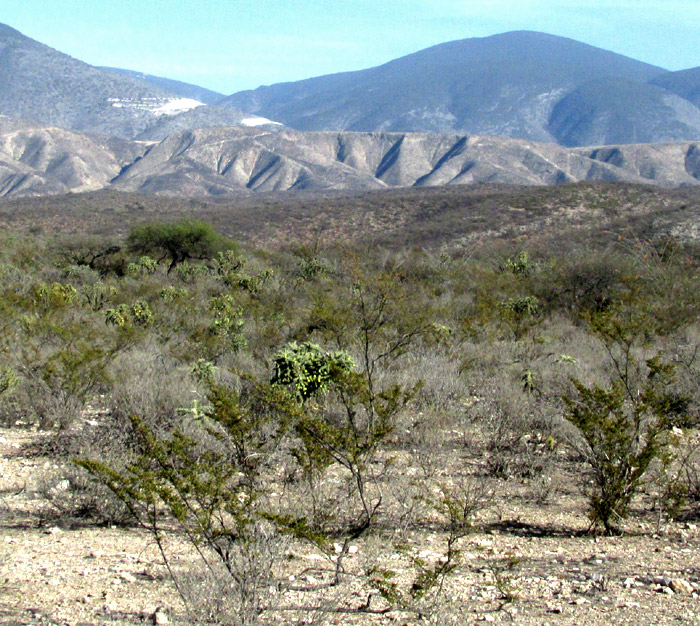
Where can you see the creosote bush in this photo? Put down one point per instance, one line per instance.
(622, 434)
(265, 399)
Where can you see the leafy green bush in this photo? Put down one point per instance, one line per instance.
(178, 241)
(128, 315)
(621, 434)
(8, 380)
(308, 369)
(228, 321)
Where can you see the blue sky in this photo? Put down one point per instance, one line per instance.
(230, 45)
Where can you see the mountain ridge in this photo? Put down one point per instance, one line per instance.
(178, 87)
(522, 85)
(505, 84)
(36, 160)
(43, 84)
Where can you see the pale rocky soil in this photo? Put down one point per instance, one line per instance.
(69, 573)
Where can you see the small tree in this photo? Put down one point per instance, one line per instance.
(178, 241)
(621, 434)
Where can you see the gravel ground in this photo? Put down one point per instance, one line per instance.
(69, 574)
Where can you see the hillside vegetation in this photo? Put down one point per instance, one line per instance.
(266, 400)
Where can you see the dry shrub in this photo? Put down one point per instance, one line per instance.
(153, 386)
(514, 431)
(239, 591)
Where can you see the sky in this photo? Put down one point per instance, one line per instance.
(231, 45)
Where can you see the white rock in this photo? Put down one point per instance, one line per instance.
(681, 586)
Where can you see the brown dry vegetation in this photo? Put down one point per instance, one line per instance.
(417, 467)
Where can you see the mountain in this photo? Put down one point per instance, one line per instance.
(222, 161)
(521, 84)
(506, 85)
(42, 84)
(211, 116)
(622, 111)
(37, 160)
(184, 90)
(685, 84)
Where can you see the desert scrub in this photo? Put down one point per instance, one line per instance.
(308, 370)
(210, 475)
(621, 433)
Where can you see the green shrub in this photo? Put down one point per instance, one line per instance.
(308, 370)
(519, 265)
(622, 431)
(54, 296)
(143, 267)
(8, 380)
(178, 241)
(129, 315)
(228, 321)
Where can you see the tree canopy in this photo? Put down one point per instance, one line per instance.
(179, 241)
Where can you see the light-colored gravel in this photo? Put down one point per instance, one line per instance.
(96, 575)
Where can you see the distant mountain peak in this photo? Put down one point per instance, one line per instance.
(521, 84)
(8, 31)
(49, 87)
(507, 84)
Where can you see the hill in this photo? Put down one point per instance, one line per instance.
(184, 90)
(685, 83)
(506, 85)
(622, 111)
(54, 89)
(521, 84)
(38, 160)
(42, 84)
(457, 217)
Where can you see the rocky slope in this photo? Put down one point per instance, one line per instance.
(36, 160)
(52, 88)
(184, 90)
(509, 84)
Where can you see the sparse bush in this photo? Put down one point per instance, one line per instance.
(519, 265)
(622, 431)
(282, 405)
(212, 483)
(228, 322)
